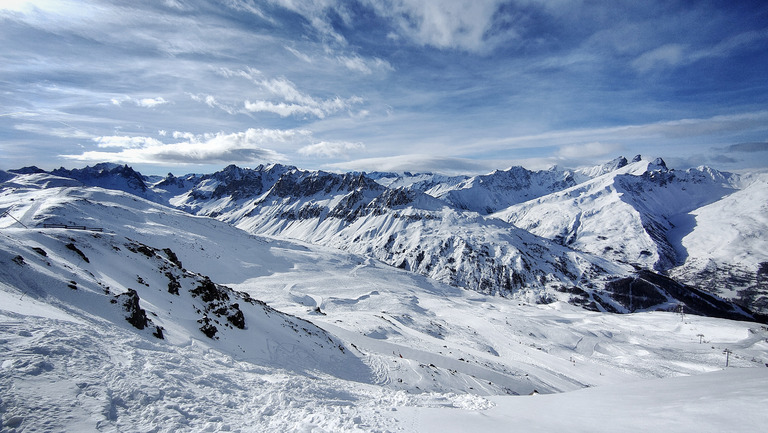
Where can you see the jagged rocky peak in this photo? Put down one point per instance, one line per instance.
(27, 170)
(618, 163)
(637, 158)
(395, 197)
(178, 184)
(239, 183)
(358, 181)
(658, 173)
(382, 175)
(604, 168)
(298, 183)
(170, 180)
(520, 178)
(232, 171)
(515, 177)
(658, 164)
(107, 175)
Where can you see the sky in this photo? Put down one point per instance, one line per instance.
(451, 86)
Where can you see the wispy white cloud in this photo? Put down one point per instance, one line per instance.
(67, 131)
(461, 24)
(418, 163)
(352, 61)
(243, 147)
(301, 56)
(458, 24)
(315, 12)
(151, 102)
(742, 41)
(667, 55)
(190, 136)
(125, 142)
(252, 145)
(290, 100)
(282, 109)
(529, 80)
(244, 6)
(139, 102)
(588, 150)
(212, 102)
(675, 54)
(679, 128)
(365, 66)
(330, 149)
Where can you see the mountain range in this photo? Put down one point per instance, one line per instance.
(534, 235)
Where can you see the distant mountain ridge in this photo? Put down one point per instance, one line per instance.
(403, 227)
(514, 232)
(110, 176)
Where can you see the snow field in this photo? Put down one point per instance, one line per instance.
(732, 400)
(60, 376)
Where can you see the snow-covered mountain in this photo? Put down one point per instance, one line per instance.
(700, 226)
(110, 176)
(407, 229)
(498, 190)
(584, 228)
(647, 215)
(724, 244)
(483, 194)
(109, 269)
(309, 338)
(412, 230)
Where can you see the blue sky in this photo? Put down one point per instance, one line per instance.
(448, 86)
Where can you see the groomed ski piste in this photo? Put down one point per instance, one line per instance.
(330, 341)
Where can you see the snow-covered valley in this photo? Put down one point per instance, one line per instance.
(261, 333)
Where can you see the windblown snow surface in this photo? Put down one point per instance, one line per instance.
(330, 341)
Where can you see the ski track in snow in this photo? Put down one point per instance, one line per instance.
(59, 375)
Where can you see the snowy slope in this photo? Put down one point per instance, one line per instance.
(4, 176)
(413, 230)
(498, 190)
(485, 193)
(724, 401)
(111, 176)
(411, 346)
(703, 226)
(726, 247)
(584, 174)
(105, 275)
(416, 181)
(592, 217)
(626, 213)
(503, 188)
(404, 228)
